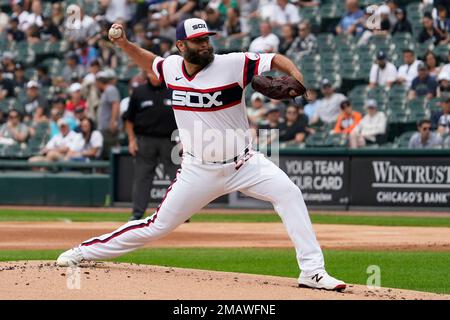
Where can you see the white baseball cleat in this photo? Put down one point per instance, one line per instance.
(321, 281)
(70, 258)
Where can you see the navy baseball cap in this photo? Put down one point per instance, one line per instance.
(192, 28)
(381, 55)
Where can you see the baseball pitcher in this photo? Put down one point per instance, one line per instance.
(207, 92)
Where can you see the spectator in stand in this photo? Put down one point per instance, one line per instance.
(350, 23)
(402, 25)
(32, 35)
(57, 112)
(86, 53)
(443, 123)
(91, 144)
(312, 104)
(294, 129)
(86, 28)
(182, 9)
(329, 106)
(43, 78)
(35, 16)
(423, 85)
(442, 23)
(443, 90)
(106, 50)
(408, 72)
(233, 27)
(76, 100)
(383, 73)
(4, 20)
(9, 64)
(305, 43)
(13, 131)
(267, 42)
(50, 32)
(13, 32)
(432, 63)
(72, 69)
(59, 146)
(165, 27)
(249, 10)
(212, 18)
(446, 68)
(270, 128)
(347, 120)
(116, 10)
(58, 14)
(20, 13)
(424, 138)
(6, 86)
(257, 111)
(80, 114)
(429, 31)
(108, 111)
(89, 89)
(371, 129)
(223, 7)
(36, 106)
(280, 12)
(287, 38)
(20, 81)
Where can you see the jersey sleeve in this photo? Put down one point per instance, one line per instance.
(248, 64)
(157, 68)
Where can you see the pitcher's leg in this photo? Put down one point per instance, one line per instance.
(182, 200)
(272, 184)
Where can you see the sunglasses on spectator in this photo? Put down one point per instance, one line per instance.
(426, 128)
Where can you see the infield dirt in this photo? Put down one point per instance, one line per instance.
(97, 281)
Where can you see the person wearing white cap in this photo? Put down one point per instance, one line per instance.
(58, 146)
(371, 129)
(257, 111)
(76, 99)
(208, 99)
(36, 106)
(443, 90)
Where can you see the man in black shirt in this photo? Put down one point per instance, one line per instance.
(6, 86)
(149, 122)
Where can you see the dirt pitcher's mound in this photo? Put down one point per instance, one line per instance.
(43, 280)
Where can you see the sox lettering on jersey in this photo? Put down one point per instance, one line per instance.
(211, 99)
(196, 99)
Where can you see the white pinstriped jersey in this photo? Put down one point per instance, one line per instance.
(209, 105)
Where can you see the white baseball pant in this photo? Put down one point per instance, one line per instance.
(197, 184)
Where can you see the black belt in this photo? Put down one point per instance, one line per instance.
(235, 159)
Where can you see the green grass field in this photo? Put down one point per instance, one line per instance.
(21, 215)
(423, 271)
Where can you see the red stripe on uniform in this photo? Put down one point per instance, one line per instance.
(206, 109)
(159, 68)
(228, 86)
(139, 226)
(244, 80)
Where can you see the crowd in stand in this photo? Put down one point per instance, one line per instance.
(82, 103)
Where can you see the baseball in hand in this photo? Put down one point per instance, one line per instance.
(115, 33)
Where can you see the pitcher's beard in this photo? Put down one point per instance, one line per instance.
(192, 56)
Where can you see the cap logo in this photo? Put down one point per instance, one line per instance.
(199, 26)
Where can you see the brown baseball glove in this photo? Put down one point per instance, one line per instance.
(283, 88)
